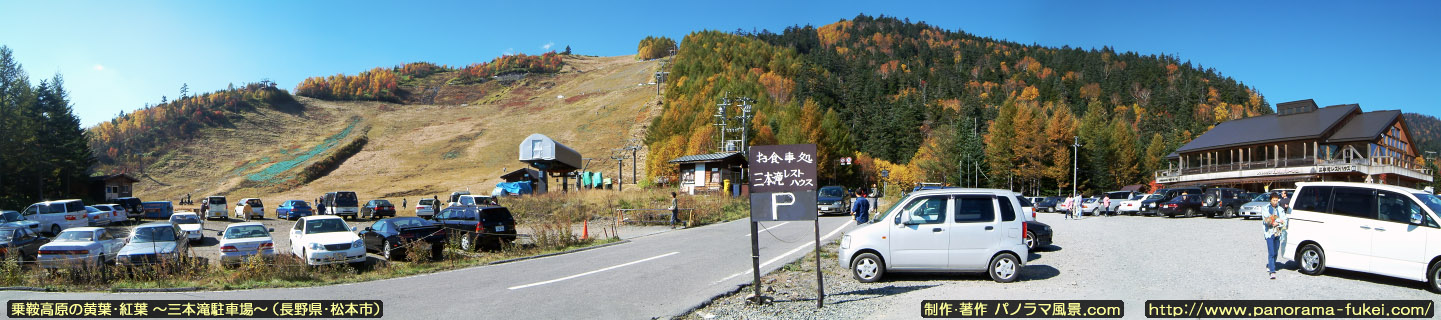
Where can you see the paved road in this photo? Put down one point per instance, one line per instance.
(653, 276)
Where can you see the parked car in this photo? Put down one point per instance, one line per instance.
(454, 199)
(118, 212)
(1372, 228)
(215, 208)
(257, 209)
(1183, 205)
(1256, 207)
(1132, 206)
(832, 200)
(1064, 204)
(86, 246)
(326, 239)
(1116, 198)
(56, 216)
(476, 200)
(920, 234)
(488, 227)
(391, 237)
(157, 209)
(377, 208)
(189, 224)
(21, 242)
(1037, 234)
(94, 217)
(14, 218)
(132, 206)
(342, 203)
(426, 208)
(1048, 204)
(1151, 205)
(293, 209)
(1027, 207)
(1223, 202)
(245, 240)
(153, 243)
(1090, 206)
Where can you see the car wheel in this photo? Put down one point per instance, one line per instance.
(467, 242)
(54, 230)
(867, 267)
(1434, 275)
(1030, 239)
(385, 250)
(1313, 260)
(1230, 213)
(1190, 213)
(1005, 267)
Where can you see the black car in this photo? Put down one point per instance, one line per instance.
(132, 206)
(1167, 195)
(1151, 204)
(377, 208)
(478, 227)
(1038, 235)
(20, 242)
(1048, 204)
(832, 200)
(390, 237)
(1184, 205)
(1223, 202)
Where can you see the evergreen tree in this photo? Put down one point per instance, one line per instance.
(1125, 169)
(1060, 134)
(999, 153)
(1095, 152)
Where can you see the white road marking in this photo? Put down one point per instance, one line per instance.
(592, 272)
(773, 260)
(768, 228)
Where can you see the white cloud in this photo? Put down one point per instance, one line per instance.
(547, 46)
(99, 67)
(509, 51)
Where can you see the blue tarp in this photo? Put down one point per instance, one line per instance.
(585, 178)
(518, 187)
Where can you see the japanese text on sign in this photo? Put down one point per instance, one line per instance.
(194, 309)
(783, 168)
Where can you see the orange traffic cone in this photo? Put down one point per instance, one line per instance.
(585, 230)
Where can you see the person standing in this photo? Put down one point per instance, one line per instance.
(674, 210)
(319, 207)
(1274, 219)
(1106, 205)
(875, 197)
(404, 203)
(860, 208)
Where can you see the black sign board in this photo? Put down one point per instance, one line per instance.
(783, 182)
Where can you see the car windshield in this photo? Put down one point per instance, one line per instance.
(75, 236)
(1264, 197)
(381, 202)
(1090, 200)
(1155, 197)
(835, 192)
(1430, 200)
(91, 209)
(241, 232)
(154, 234)
(11, 216)
(404, 223)
(325, 225)
(184, 219)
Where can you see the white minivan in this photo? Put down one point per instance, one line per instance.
(1373, 228)
(965, 230)
(56, 216)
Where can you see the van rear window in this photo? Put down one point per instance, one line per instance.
(346, 199)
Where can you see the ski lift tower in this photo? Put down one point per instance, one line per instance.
(550, 157)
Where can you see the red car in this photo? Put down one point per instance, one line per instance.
(377, 208)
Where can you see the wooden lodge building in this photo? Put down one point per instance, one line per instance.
(1300, 143)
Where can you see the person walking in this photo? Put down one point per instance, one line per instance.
(1106, 205)
(1275, 220)
(861, 208)
(1070, 209)
(319, 207)
(674, 210)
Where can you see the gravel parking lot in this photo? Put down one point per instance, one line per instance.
(1133, 259)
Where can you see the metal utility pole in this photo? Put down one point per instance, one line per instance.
(619, 171)
(1075, 164)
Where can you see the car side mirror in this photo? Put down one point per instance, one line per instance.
(1416, 219)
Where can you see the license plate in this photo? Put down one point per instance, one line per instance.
(499, 228)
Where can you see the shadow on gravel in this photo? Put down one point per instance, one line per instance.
(1038, 272)
(865, 294)
(1033, 255)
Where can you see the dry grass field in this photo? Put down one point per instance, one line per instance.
(464, 141)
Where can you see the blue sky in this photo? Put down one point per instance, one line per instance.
(120, 55)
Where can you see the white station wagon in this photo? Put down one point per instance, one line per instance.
(965, 230)
(1372, 228)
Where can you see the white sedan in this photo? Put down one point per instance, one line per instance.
(96, 217)
(1132, 206)
(190, 224)
(86, 246)
(326, 239)
(241, 241)
(118, 213)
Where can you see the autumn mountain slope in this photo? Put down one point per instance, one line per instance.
(443, 136)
